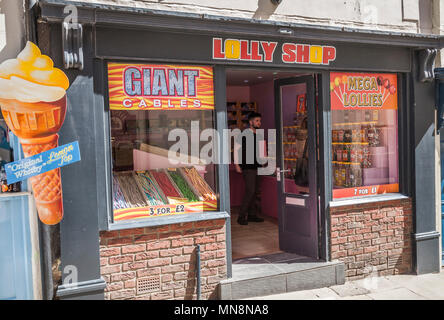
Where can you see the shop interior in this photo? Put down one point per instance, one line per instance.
(253, 90)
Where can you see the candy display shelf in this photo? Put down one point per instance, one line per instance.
(346, 162)
(364, 152)
(238, 112)
(355, 123)
(349, 143)
(155, 192)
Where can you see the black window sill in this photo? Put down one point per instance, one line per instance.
(369, 199)
(166, 220)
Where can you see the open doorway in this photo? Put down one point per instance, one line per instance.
(285, 195)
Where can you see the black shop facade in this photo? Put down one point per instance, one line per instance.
(347, 186)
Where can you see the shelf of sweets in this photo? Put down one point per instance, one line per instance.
(349, 143)
(346, 162)
(355, 123)
(238, 113)
(345, 187)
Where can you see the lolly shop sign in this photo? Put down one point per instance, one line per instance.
(264, 51)
(362, 91)
(160, 87)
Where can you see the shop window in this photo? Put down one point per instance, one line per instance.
(146, 103)
(364, 113)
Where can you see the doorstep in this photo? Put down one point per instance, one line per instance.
(279, 273)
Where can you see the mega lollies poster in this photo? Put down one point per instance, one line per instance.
(33, 104)
(354, 91)
(160, 87)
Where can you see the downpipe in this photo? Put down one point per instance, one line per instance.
(198, 271)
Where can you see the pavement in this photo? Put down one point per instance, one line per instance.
(399, 287)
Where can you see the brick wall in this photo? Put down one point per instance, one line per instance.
(372, 238)
(160, 262)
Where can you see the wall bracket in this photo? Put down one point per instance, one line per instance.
(72, 40)
(426, 64)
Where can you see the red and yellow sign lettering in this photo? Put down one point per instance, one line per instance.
(164, 210)
(362, 91)
(160, 87)
(263, 51)
(365, 191)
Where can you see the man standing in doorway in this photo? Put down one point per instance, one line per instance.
(251, 201)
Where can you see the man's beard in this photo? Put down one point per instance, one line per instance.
(256, 127)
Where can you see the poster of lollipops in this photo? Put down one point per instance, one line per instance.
(359, 91)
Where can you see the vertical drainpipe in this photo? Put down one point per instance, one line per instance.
(198, 270)
(46, 261)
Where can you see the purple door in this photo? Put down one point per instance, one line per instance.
(296, 172)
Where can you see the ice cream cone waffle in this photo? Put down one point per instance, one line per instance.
(47, 187)
(33, 104)
(34, 120)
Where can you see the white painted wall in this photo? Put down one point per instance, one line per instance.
(12, 28)
(395, 15)
(12, 41)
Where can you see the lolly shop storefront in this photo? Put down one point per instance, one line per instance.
(347, 182)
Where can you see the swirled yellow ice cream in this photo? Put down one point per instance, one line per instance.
(33, 104)
(31, 77)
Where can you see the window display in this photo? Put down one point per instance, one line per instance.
(295, 153)
(147, 102)
(364, 134)
(295, 138)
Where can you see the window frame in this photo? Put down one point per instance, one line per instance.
(106, 216)
(404, 118)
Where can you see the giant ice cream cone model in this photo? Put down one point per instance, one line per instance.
(33, 104)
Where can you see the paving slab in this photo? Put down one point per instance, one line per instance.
(360, 297)
(429, 286)
(349, 289)
(325, 294)
(396, 294)
(377, 284)
(397, 287)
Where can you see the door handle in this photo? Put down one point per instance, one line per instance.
(279, 171)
